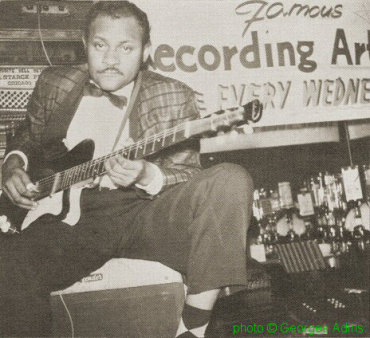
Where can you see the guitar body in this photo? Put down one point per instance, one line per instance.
(58, 180)
(62, 203)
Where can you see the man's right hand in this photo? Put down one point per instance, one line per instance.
(15, 182)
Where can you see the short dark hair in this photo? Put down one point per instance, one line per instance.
(116, 10)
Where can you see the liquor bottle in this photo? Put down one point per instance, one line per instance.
(342, 237)
(358, 233)
(366, 170)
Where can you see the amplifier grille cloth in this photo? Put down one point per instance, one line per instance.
(14, 98)
(301, 256)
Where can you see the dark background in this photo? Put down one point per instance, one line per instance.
(268, 166)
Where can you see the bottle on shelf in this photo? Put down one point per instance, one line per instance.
(358, 232)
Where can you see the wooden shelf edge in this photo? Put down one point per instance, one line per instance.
(47, 35)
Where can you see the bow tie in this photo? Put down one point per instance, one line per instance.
(92, 90)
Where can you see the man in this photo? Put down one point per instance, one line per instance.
(165, 209)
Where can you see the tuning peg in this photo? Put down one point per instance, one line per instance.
(256, 110)
(247, 129)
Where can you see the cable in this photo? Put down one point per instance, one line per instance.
(69, 316)
(40, 34)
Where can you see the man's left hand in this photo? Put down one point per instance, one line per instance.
(124, 172)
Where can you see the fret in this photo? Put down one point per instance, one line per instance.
(98, 167)
(74, 175)
(167, 141)
(79, 173)
(82, 171)
(174, 134)
(101, 167)
(55, 185)
(95, 168)
(138, 146)
(90, 170)
(157, 144)
(86, 171)
(164, 138)
(119, 152)
(141, 152)
(63, 182)
(47, 192)
(44, 187)
(180, 135)
(124, 153)
(69, 176)
(129, 152)
(144, 150)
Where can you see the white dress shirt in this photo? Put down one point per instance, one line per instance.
(98, 119)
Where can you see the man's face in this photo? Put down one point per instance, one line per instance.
(115, 51)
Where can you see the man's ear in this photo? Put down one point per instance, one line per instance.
(146, 51)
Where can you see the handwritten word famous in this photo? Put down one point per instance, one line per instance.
(259, 10)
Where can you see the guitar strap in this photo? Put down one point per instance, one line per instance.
(131, 104)
(130, 108)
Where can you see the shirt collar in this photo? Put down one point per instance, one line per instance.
(124, 91)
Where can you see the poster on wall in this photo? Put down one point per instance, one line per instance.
(20, 77)
(306, 61)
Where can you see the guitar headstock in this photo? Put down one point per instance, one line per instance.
(253, 111)
(224, 120)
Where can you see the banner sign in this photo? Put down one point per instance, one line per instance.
(306, 60)
(19, 77)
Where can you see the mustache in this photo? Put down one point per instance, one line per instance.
(111, 69)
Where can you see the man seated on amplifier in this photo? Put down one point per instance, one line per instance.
(164, 208)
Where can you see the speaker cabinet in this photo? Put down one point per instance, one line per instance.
(137, 312)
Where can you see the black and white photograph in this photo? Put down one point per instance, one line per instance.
(184, 168)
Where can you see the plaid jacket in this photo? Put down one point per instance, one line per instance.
(161, 103)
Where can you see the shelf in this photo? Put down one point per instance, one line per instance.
(33, 35)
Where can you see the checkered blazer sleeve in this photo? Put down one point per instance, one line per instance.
(27, 138)
(182, 162)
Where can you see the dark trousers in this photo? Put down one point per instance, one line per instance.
(197, 228)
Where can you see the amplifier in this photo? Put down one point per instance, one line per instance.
(124, 298)
(136, 312)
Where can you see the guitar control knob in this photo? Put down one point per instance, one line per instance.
(6, 227)
(4, 224)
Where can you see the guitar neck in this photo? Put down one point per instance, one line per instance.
(148, 146)
(93, 168)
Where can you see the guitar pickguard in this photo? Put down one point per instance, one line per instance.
(54, 205)
(48, 205)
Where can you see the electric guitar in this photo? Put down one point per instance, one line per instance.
(59, 186)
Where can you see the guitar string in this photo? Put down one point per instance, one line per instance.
(92, 163)
(96, 162)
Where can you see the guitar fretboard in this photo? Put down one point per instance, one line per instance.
(91, 169)
(147, 146)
